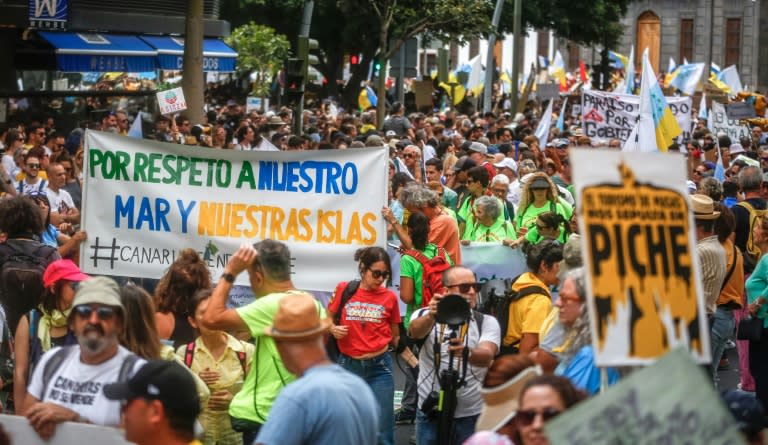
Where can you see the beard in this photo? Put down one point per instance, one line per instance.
(93, 340)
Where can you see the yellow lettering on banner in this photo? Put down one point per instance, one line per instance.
(237, 220)
(640, 263)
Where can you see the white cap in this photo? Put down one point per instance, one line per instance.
(507, 163)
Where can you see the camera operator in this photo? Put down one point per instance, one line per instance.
(480, 336)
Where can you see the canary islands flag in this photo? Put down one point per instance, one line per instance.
(664, 122)
(367, 98)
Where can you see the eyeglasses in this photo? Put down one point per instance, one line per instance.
(525, 418)
(103, 312)
(696, 172)
(499, 190)
(34, 166)
(407, 155)
(465, 287)
(379, 274)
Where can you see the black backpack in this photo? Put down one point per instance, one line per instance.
(498, 305)
(21, 277)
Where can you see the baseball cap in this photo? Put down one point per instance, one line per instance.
(560, 143)
(100, 290)
(62, 270)
(464, 163)
(507, 163)
(390, 134)
(478, 147)
(746, 409)
(163, 380)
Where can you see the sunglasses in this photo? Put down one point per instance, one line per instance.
(379, 274)
(103, 312)
(34, 166)
(525, 418)
(407, 155)
(465, 287)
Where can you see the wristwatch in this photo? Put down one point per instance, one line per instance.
(228, 277)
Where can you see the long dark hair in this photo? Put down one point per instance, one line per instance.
(418, 229)
(140, 333)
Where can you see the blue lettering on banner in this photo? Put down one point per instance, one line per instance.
(318, 176)
(153, 215)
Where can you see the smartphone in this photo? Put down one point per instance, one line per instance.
(394, 246)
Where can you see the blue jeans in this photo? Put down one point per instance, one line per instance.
(426, 429)
(723, 325)
(377, 372)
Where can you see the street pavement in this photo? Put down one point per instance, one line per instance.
(729, 379)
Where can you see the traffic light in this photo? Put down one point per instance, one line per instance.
(376, 66)
(295, 78)
(353, 59)
(304, 47)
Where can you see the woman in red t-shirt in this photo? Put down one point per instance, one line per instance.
(368, 327)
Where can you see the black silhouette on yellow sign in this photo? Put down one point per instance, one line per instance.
(640, 260)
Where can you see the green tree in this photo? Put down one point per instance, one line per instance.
(447, 20)
(261, 52)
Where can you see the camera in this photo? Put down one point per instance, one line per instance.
(429, 405)
(453, 310)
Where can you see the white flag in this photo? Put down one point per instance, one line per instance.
(542, 132)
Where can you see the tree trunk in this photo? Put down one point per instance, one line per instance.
(381, 89)
(193, 81)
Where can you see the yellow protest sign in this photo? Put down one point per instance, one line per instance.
(640, 256)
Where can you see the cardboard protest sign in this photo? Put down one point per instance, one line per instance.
(67, 433)
(612, 116)
(671, 402)
(145, 200)
(171, 101)
(644, 286)
(719, 122)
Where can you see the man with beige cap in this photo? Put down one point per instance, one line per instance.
(327, 404)
(67, 382)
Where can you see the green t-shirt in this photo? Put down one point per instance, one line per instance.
(267, 375)
(533, 236)
(411, 268)
(450, 198)
(466, 215)
(527, 218)
(496, 233)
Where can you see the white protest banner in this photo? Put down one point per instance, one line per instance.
(491, 261)
(67, 433)
(612, 116)
(171, 101)
(144, 201)
(719, 123)
(643, 279)
(671, 402)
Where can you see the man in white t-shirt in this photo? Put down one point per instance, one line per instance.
(481, 341)
(62, 206)
(67, 382)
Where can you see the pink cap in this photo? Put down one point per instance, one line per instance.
(62, 270)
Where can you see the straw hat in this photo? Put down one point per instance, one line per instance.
(298, 318)
(500, 403)
(703, 207)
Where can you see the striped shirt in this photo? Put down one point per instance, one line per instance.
(712, 262)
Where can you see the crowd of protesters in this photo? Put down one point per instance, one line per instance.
(90, 350)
